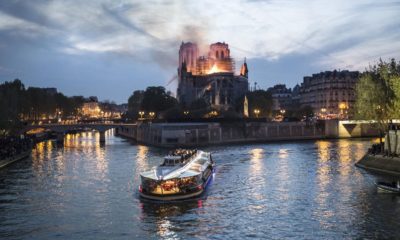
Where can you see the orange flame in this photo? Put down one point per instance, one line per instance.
(214, 69)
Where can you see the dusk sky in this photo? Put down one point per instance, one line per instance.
(111, 48)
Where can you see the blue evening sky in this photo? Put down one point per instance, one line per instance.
(111, 48)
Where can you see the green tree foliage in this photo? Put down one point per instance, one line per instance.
(135, 103)
(395, 84)
(11, 104)
(259, 99)
(198, 108)
(17, 103)
(155, 99)
(378, 94)
(296, 111)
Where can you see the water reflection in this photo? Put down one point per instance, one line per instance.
(166, 218)
(307, 190)
(322, 210)
(256, 181)
(283, 175)
(141, 157)
(256, 160)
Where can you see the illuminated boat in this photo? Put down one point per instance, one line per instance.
(389, 187)
(183, 174)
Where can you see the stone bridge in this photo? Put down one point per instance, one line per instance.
(61, 129)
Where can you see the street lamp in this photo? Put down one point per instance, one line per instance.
(323, 113)
(186, 112)
(282, 111)
(141, 113)
(59, 116)
(213, 113)
(152, 114)
(256, 112)
(342, 106)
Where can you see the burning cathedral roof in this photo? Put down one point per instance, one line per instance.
(217, 59)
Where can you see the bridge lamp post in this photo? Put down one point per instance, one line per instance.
(186, 112)
(256, 112)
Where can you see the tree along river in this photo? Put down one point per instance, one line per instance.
(303, 189)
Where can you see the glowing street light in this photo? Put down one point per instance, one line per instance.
(141, 113)
(343, 106)
(213, 113)
(152, 114)
(186, 112)
(323, 113)
(282, 111)
(256, 112)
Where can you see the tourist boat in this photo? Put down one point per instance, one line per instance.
(389, 187)
(183, 174)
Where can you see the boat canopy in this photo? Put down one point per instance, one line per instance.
(172, 160)
(169, 171)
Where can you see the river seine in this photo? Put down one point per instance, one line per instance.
(283, 190)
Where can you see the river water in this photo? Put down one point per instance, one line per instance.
(299, 190)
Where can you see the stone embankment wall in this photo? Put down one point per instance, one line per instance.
(380, 163)
(199, 134)
(384, 164)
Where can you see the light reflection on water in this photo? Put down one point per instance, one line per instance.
(88, 190)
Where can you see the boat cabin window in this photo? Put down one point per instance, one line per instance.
(171, 161)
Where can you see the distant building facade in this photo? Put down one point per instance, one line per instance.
(91, 108)
(211, 77)
(281, 97)
(296, 96)
(331, 93)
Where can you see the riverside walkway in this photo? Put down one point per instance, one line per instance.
(60, 129)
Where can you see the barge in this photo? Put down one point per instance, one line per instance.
(183, 174)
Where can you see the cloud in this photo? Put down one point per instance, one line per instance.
(340, 33)
(19, 27)
(266, 29)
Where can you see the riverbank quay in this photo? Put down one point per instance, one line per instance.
(194, 134)
(10, 160)
(13, 149)
(386, 161)
(380, 164)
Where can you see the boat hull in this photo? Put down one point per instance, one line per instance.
(178, 196)
(384, 187)
(171, 197)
